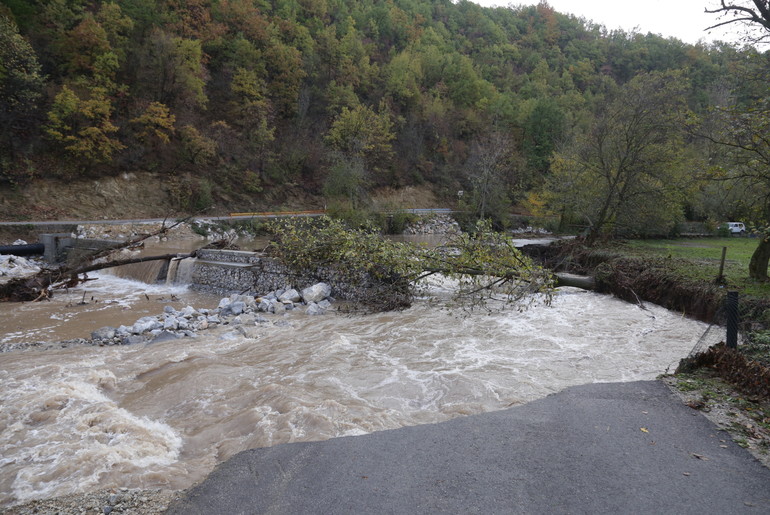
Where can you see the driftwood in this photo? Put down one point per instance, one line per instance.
(41, 285)
(577, 281)
(130, 243)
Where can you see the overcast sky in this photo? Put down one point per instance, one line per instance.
(682, 19)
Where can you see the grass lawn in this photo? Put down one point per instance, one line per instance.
(697, 259)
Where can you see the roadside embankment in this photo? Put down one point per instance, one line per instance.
(635, 278)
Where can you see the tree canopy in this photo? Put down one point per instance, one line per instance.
(366, 94)
(749, 13)
(623, 175)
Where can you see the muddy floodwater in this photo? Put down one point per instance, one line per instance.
(165, 414)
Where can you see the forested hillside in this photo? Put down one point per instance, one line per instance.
(339, 97)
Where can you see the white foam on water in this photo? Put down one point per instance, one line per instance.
(61, 433)
(122, 287)
(83, 418)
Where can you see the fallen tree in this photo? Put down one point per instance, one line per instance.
(484, 267)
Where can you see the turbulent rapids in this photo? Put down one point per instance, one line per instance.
(164, 414)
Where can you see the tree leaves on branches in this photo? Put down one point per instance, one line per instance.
(483, 268)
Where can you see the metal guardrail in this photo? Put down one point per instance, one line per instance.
(320, 212)
(275, 214)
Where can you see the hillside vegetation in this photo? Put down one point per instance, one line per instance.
(237, 100)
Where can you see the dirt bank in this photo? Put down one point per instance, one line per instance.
(154, 195)
(635, 279)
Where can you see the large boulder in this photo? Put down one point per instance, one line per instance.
(189, 312)
(278, 308)
(316, 293)
(290, 295)
(103, 333)
(170, 323)
(146, 324)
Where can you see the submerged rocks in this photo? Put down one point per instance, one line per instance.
(146, 324)
(105, 333)
(314, 309)
(240, 311)
(531, 230)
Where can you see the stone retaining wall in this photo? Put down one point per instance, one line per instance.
(236, 271)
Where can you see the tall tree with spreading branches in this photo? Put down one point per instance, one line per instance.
(622, 175)
(743, 129)
(752, 14)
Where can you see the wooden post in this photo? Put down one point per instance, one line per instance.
(720, 277)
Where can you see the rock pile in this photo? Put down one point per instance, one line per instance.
(243, 312)
(214, 231)
(435, 224)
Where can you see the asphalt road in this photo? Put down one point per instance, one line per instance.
(601, 448)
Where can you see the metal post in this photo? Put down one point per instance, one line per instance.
(732, 319)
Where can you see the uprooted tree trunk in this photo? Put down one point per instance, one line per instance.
(759, 260)
(39, 286)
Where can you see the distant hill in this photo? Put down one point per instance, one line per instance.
(239, 99)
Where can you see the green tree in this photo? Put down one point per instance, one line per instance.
(284, 66)
(155, 124)
(489, 170)
(197, 149)
(117, 27)
(346, 179)
(84, 126)
(172, 70)
(362, 132)
(359, 140)
(543, 129)
(403, 76)
(21, 85)
(623, 175)
(743, 132)
(744, 128)
(84, 44)
(253, 114)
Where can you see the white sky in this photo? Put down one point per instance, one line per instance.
(682, 19)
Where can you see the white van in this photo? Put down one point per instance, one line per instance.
(736, 228)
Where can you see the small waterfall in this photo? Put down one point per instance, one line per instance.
(150, 272)
(180, 271)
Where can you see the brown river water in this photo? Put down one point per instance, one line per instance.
(163, 415)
